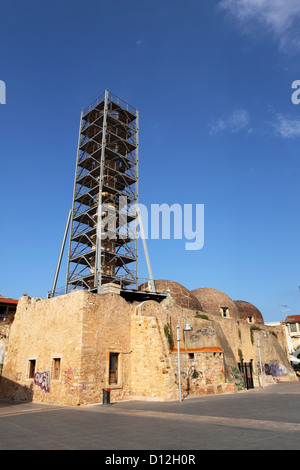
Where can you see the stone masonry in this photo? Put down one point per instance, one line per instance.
(66, 350)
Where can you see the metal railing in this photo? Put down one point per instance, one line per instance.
(141, 285)
(111, 98)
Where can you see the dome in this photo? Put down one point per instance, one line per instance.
(248, 312)
(216, 302)
(180, 294)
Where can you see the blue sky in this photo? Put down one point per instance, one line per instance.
(212, 80)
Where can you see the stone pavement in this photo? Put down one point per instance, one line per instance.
(259, 419)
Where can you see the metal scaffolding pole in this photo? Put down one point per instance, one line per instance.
(60, 255)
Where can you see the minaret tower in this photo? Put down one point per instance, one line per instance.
(103, 244)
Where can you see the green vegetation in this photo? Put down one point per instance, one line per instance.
(252, 329)
(169, 334)
(203, 316)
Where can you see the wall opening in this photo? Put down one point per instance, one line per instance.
(56, 368)
(31, 368)
(225, 312)
(113, 368)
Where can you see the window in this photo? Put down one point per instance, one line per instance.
(31, 369)
(56, 368)
(113, 368)
(293, 327)
(191, 355)
(225, 311)
(250, 319)
(2, 312)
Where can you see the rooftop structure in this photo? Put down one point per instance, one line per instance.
(216, 302)
(7, 308)
(292, 323)
(248, 312)
(179, 294)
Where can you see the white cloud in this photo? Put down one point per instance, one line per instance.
(235, 122)
(280, 17)
(282, 126)
(286, 127)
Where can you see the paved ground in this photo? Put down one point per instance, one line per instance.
(267, 419)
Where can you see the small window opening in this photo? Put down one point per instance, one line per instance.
(3, 312)
(191, 355)
(225, 312)
(250, 319)
(31, 371)
(113, 368)
(56, 368)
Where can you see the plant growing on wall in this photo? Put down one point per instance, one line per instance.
(252, 329)
(239, 382)
(169, 334)
(201, 315)
(241, 356)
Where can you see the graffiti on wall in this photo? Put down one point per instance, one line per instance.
(207, 331)
(85, 386)
(204, 369)
(42, 380)
(193, 373)
(68, 378)
(238, 379)
(275, 369)
(18, 376)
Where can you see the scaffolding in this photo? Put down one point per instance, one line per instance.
(103, 241)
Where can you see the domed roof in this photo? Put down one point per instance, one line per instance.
(216, 302)
(180, 294)
(248, 311)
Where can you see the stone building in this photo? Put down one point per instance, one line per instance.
(292, 323)
(7, 312)
(7, 308)
(67, 349)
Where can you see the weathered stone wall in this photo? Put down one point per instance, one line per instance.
(206, 340)
(106, 329)
(202, 373)
(152, 373)
(42, 331)
(242, 338)
(236, 338)
(82, 330)
(4, 339)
